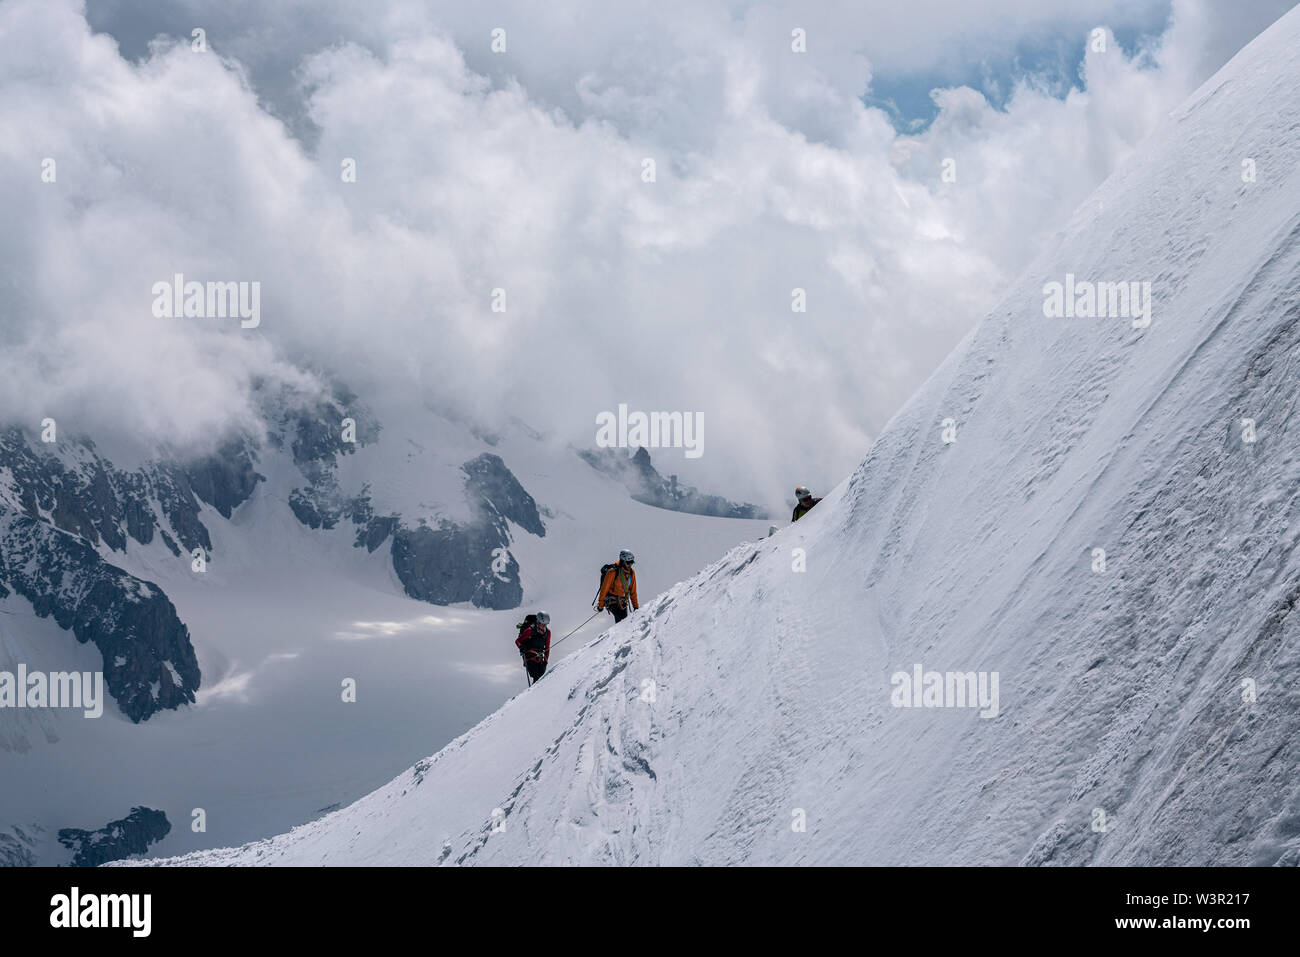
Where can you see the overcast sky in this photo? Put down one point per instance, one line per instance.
(523, 170)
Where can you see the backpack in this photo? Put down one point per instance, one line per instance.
(604, 570)
(533, 643)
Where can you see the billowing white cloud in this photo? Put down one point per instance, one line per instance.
(523, 171)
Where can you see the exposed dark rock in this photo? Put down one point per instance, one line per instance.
(315, 438)
(499, 593)
(376, 531)
(443, 565)
(180, 507)
(639, 476)
(66, 502)
(226, 479)
(316, 434)
(455, 563)
(494, 487)
(136, 513)
(80, 492)
(471, 562)
(62, 505)
(149, 662)
(117, 839)
(310, 510)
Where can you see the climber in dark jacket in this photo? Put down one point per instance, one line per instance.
(534, 643)
(806, 502)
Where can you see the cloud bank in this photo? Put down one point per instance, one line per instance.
(520, 178)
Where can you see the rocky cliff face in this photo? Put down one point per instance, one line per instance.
(117, 839)
(452, 562)
(317, 438)
(65, 511)
(471, 562)
(78, 491)
(149, 662)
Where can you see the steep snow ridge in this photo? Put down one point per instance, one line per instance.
(1124, 735)
(567, 764)
(1123, 688)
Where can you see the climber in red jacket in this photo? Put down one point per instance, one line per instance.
(534, 643)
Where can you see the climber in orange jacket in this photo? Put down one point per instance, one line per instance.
(618, 587)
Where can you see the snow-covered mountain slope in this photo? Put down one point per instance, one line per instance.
(284, 612)
(1147, 709)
